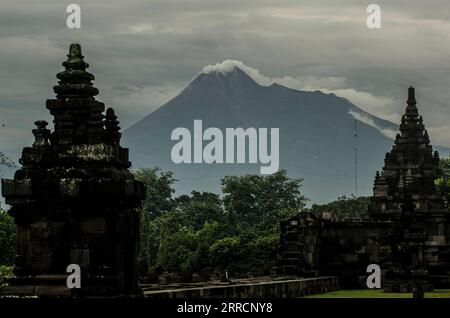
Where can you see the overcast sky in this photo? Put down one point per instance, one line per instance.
(143, 53)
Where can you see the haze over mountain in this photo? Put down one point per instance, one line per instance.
(317, 134)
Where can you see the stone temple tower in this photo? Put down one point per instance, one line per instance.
(405, 193)
(407, 231)
(410, 168)
(74, 200)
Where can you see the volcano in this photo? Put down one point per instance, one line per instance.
(323, 138)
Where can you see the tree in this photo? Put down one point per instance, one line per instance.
(197, 220)
(6, 161)
(7, 238)
(203, 233)
(158, 200)
(226, 251)
(444, 164)
(260, 202)
(6, 272)
(177, 251)
(264, 252)
(344, 207)
(199, 208)
(206, 237)
(254, 206)
(159, 190)
(7, 234)
(443, 183)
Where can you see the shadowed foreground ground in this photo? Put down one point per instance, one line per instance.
(364, 293)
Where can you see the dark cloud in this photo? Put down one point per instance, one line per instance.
(144, 52)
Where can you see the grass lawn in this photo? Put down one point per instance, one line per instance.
(378, 293)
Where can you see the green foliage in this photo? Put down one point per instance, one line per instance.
(444, 164)
(199, 208)
(177, 251)
(443, 183)
(260, 202)
(5, 273)
(159, 190)
(206, 237)
(344, 207)
(225, 251)
(7, 238)
(6, 161)
(201, 232)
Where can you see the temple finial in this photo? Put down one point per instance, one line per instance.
(411, 108)
(78, 116)
(411, 96)
(75, 81)
(75, 50)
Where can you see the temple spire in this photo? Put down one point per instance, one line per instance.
(409, 166)
(411, 109)
(411, 96)
(78, 116)
(411, 126)
(74, 200)
(75, 51)
(75, 81)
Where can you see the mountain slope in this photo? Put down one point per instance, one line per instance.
(316, 134)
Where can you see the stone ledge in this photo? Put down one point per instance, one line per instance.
(288, 288)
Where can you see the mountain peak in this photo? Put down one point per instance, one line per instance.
(225, 67)
(237, 69)
(234, 72)
(314, 127)
(227, 75)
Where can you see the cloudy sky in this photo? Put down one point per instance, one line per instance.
(145, 52)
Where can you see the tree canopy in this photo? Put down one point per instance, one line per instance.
(443, 183)
(344, 207)
(206, 232)
(7, 238)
